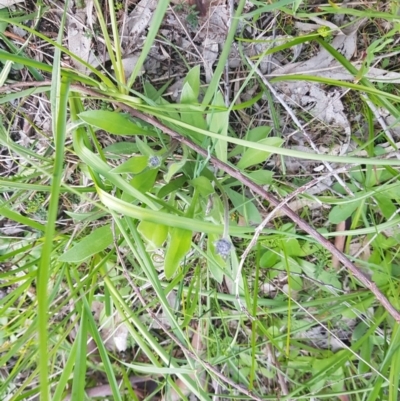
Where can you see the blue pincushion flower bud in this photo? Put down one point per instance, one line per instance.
(154, 162)
(223, 247)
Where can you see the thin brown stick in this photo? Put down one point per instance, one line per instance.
(274, 201)
(233, 172)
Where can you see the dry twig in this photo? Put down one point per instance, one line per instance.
(233, 172)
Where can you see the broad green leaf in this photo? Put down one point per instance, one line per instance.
(173, 168)
(391, 191)
(144, 149)
(296, 5)
(90, 245)
(190, 96)
(215, 263)
(88, 216)
(78, 382)
(4, 14)
(381, 241)
(121, 148)
(172, 186)
(330, 278)
(342, 212)
(218, 122)
(134, 165)
(179, 245)
(244, 206)
(193, 79)
(386, 206)
(254, 135)
(203, 185)
(269, 259)
(261, 177)
(155, 234)
(252, 156)
(113, 122)
(308, 248)
(258, 133)
(293, 266)
(292, 246)
(295, 282)
(144, 181)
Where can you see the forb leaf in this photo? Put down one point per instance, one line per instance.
(113, 122)
(179, 245)
(95, 242)
(342, 212)
(193, 79)
(203, 185)
(134, 165)
(144, 181)
(252, 156)
(155, 234)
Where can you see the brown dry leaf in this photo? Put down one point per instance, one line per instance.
(136, 24)
(114, 332)
(327, 107)
(79, 42)
(9, 3)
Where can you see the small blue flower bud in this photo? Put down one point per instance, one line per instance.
(223, 247)
(154, 162)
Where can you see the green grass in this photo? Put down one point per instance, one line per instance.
(130, 220)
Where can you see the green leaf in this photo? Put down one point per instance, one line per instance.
(173, 168)
(292, 247)
(203, 185)
(144, 181)
(174, 185)
(254, 135)
(244, 206)
(134, 165)
(295, 282)
(308, 248)
(258, 133)
(179, 245)
(121, 148)
(330, 278)
(113, 122)
(193, 79)
(155, 234)
(144, 149)
(261, 177)
(3, 14)
(215, 263)
(269, 259)
(78, 383)
(252, 157)
(92, 244)
(190, 96)
(218, 122)
(342, 212)
(386, 206)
